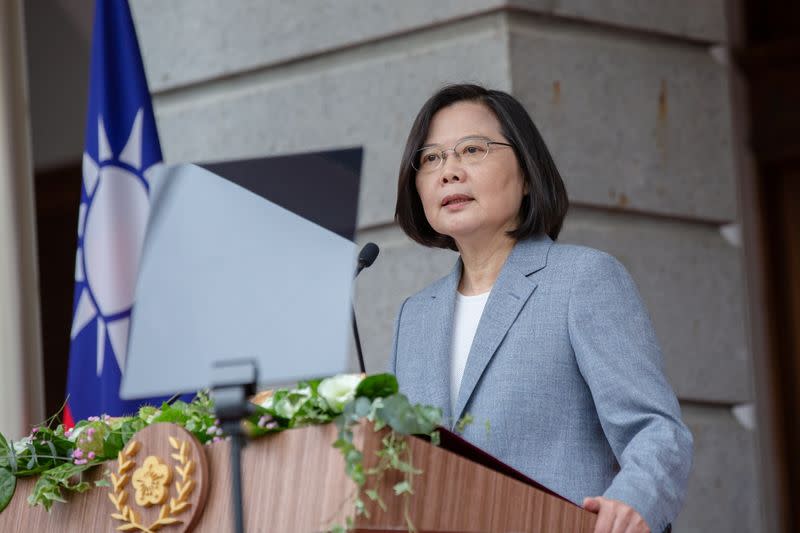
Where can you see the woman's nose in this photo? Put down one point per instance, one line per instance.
(452, 170)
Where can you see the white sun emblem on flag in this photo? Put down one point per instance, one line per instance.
(111, 226)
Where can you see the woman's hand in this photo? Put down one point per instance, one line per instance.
(614, 516)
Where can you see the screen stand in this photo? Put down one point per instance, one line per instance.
(233, 383)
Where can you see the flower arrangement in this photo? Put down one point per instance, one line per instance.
(59, 456)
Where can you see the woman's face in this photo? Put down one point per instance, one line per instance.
(470, 201)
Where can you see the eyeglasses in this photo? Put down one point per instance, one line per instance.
(471, 150)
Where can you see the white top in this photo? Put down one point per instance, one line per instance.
(465, 323)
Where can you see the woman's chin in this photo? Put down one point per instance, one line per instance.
(464, 232)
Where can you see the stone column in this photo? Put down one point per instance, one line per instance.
(21, 390)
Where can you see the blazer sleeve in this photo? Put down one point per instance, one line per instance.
(620, 359)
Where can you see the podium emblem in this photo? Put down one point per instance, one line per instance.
(160, 468)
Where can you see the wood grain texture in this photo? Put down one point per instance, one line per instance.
(295, 482)
(455, 494)
(292, 481)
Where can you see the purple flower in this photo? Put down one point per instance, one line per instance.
(91, 456)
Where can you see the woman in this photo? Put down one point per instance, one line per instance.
(547, 346)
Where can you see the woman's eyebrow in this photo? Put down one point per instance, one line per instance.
(464, 138)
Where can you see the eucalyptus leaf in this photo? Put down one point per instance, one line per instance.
(34, 460)
(362, 407)
(404, 418)
(11, 455)
(8, 484)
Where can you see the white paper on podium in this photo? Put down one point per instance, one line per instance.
(226, 274)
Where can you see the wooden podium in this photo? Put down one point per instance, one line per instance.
(295, 481)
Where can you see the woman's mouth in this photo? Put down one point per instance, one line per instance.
(456, 200)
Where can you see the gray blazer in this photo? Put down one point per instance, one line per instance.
(564, 378)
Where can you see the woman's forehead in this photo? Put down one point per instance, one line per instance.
(462, 119)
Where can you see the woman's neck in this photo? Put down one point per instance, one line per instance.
(482, 264)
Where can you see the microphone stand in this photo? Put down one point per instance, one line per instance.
(233, 383)
(356, 336)
(366, 257)
(358, 343)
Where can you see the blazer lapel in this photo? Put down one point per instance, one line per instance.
(509, 295)
(440, 320)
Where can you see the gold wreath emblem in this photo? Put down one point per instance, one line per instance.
(151, 483)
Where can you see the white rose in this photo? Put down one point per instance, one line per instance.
(339, 390)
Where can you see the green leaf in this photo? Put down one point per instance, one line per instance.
(377, 386)
(147, 412)
(462, 424)
(8, 484)
(47, 489)
(407, 419)
(171, 414)
(113, 444)
(34, 460)
(404, 487)
(374, 496)
(429, 413)
(64, 473)
(362, 407)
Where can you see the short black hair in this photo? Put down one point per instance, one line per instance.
(544, 207)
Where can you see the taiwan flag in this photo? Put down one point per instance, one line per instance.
(121, 154)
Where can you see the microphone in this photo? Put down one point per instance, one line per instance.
(366, 257)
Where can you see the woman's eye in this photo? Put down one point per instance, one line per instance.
(429, 158)
(472, 149)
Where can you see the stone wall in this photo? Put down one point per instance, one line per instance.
(631, 97)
